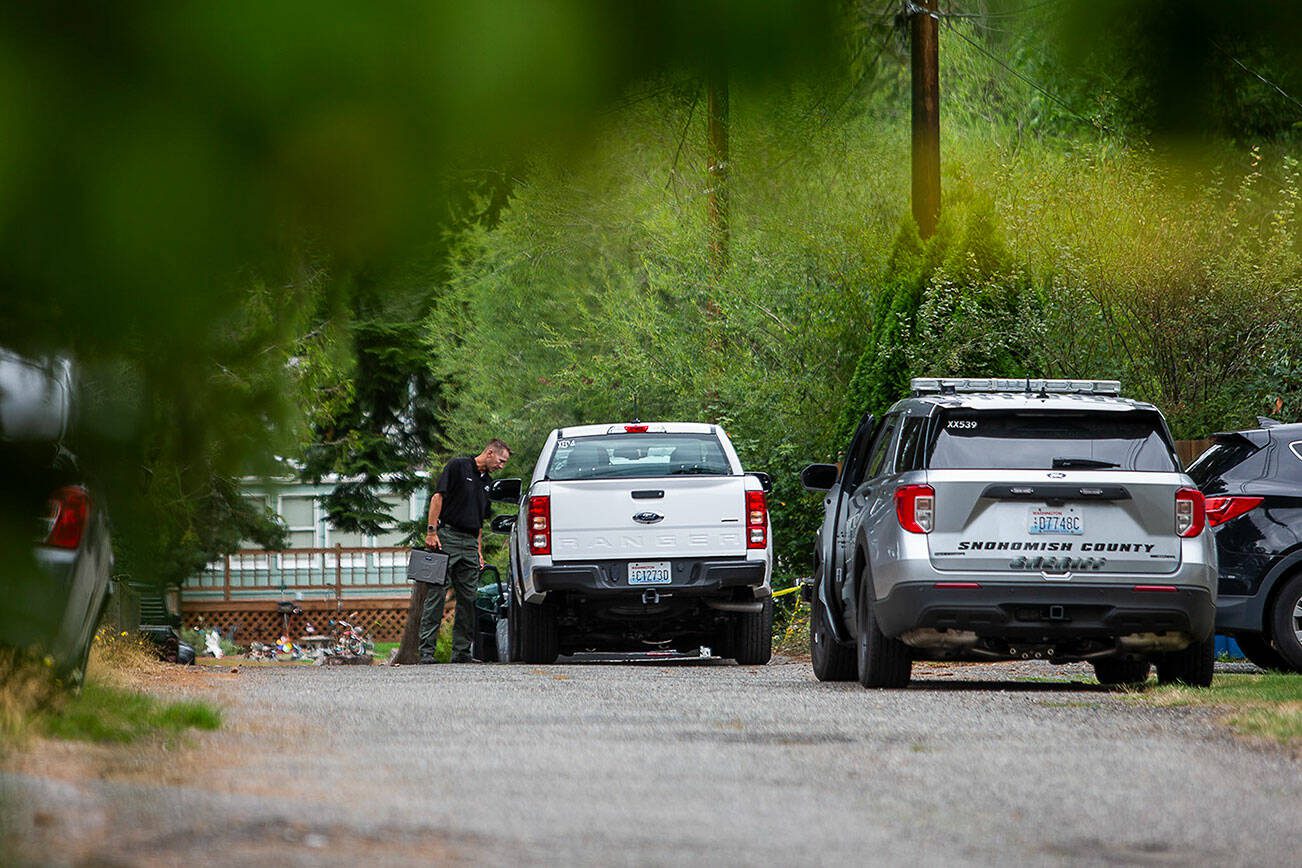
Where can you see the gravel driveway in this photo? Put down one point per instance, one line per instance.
(633, 764)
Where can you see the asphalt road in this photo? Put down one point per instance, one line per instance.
(636, 764)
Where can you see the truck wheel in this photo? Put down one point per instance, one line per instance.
(1193, 666)
(752, 636)
(882, 661)
(1257, 648)
(1129, 672)
(1286, 622)
(539, 642)
(832, 660)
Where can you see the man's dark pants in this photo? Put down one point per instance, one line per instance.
(462, 550)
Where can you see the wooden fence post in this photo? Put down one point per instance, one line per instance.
(226, 577)
(339, 577)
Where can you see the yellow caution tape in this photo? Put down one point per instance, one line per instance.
(786, 591)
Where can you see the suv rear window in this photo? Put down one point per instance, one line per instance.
(614, 456)
(1055, 440)
(1227, 458)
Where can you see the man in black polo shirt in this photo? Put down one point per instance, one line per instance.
(457, 511)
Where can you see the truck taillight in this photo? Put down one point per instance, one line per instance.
(1223, 509)
(1190, 512)
(69, 510)
(915, 507)
(757, 520)
(540, 525)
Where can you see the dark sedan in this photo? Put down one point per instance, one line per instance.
(1253, 484)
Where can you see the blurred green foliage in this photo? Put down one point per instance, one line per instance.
(353, 235)
(1067, 247)
(215, 209)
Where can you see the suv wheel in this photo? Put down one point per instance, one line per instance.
(1286, 622)
(1115, 671)
(752, 636)
(832, 660)
(538, 638)
(1193, 666)
(1257, 648)
(883, 662)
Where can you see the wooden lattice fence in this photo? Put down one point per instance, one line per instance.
(262, 621)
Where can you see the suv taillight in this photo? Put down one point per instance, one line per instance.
(540, 525)
(69, 511)
(1190, 512)
(1223, 509)
(915, 507)
(757, 520)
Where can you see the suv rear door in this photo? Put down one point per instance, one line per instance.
(1047, 492)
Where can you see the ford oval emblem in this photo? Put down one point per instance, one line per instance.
(648, 517)
(1057, 476)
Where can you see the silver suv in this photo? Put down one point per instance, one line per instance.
(989, 519)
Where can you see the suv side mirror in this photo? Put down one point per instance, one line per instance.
(766, 481)
(819, 477)
(502, 523)
(504, 491)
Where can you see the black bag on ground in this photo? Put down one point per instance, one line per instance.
(428, 566)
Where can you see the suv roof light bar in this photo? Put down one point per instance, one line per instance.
(955, 385)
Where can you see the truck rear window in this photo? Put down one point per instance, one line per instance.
(1017, 440)
(607, 456)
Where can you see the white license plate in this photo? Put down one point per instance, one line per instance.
(650, 573)
(1056, 521)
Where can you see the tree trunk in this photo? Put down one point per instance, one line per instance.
(409, 648)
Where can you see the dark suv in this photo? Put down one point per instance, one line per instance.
(1253, 484)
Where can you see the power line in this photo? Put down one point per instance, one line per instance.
(981, 48)
(682, 138)
(1259, 76)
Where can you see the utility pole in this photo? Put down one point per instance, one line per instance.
(925, 67)
(717, 168)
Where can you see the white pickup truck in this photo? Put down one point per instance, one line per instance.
(635, 537)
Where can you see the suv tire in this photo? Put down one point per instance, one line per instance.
(1114, 672)
(1194, 666)
(832, 660)
(1257, 648)
(752, 637)
(538, 637)
(1286, 622)
(882, 661)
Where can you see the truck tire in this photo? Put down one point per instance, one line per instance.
(752, 637)
(1194, 666)
(832, 660)
(1113, 672)
(1257, 648)
(882, 661)
(539, 641)
(1286, 622)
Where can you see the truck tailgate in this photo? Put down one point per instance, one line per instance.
(689, 516)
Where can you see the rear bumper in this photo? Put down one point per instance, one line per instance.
(1013, 610)
(690, 576)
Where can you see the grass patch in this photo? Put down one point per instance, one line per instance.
(107, 709)
(100, 713)
(791, 628)
(1266, 706)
